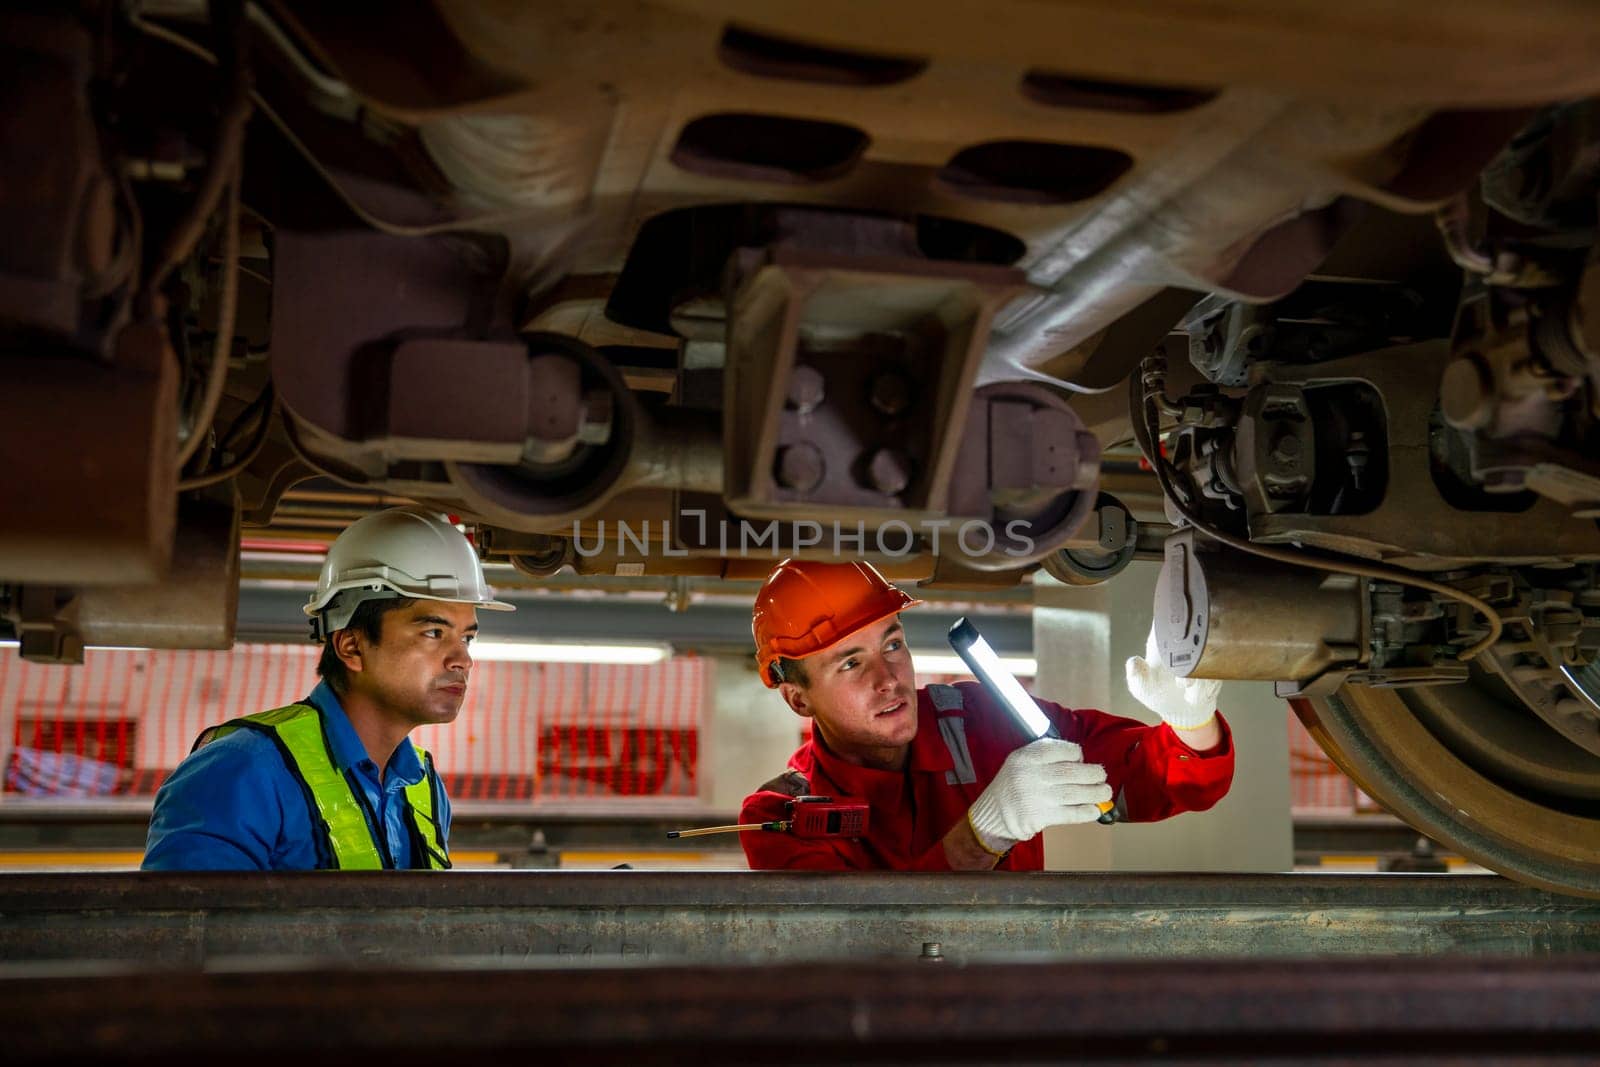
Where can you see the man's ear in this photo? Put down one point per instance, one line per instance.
(795, 696)
(348, 646)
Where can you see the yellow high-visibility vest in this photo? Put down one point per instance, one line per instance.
(345, 840)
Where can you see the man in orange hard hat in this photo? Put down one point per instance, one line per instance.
(952, 781)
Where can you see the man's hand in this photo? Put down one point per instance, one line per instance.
(1042, 784)
(1188, 705)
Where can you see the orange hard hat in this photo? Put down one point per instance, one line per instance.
(804, 608)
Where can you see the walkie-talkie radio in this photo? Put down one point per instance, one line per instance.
(807, 816)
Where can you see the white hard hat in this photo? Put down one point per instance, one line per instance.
(406, 552)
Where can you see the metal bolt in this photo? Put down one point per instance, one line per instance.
(891, 393)
(801, 467)
(932, 950)
(1466, 393)
(1286, 447)
(889, 470)
(1357, 457)
(806, 388)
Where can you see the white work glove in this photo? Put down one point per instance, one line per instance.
(1182, 703)
(1045, 783)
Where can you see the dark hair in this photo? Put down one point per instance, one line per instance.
(368, 618)
(791, 670)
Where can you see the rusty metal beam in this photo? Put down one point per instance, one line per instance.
(272, 614)
(885, 1011)
(188, 921)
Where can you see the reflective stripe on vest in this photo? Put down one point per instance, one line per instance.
(953, 731)
(419, 802)
(345, 838)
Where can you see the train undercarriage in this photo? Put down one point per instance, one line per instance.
(1308, 308)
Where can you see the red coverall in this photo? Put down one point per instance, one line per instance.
(963, 736)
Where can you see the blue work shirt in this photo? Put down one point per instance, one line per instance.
(235, 806)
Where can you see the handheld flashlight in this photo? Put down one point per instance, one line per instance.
(986, 667)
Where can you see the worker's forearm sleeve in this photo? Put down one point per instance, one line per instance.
(1152, 772)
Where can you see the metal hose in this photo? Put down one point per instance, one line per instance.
(226, 313)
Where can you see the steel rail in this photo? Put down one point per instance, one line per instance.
(1339, 1011)
(558, 917)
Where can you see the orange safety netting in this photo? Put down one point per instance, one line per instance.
(565, 734)
(1316, 785)
(528, 732)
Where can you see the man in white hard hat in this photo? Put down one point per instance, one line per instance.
(334, 782)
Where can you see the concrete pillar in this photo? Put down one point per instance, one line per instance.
(1081, 639)
(749, 738)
